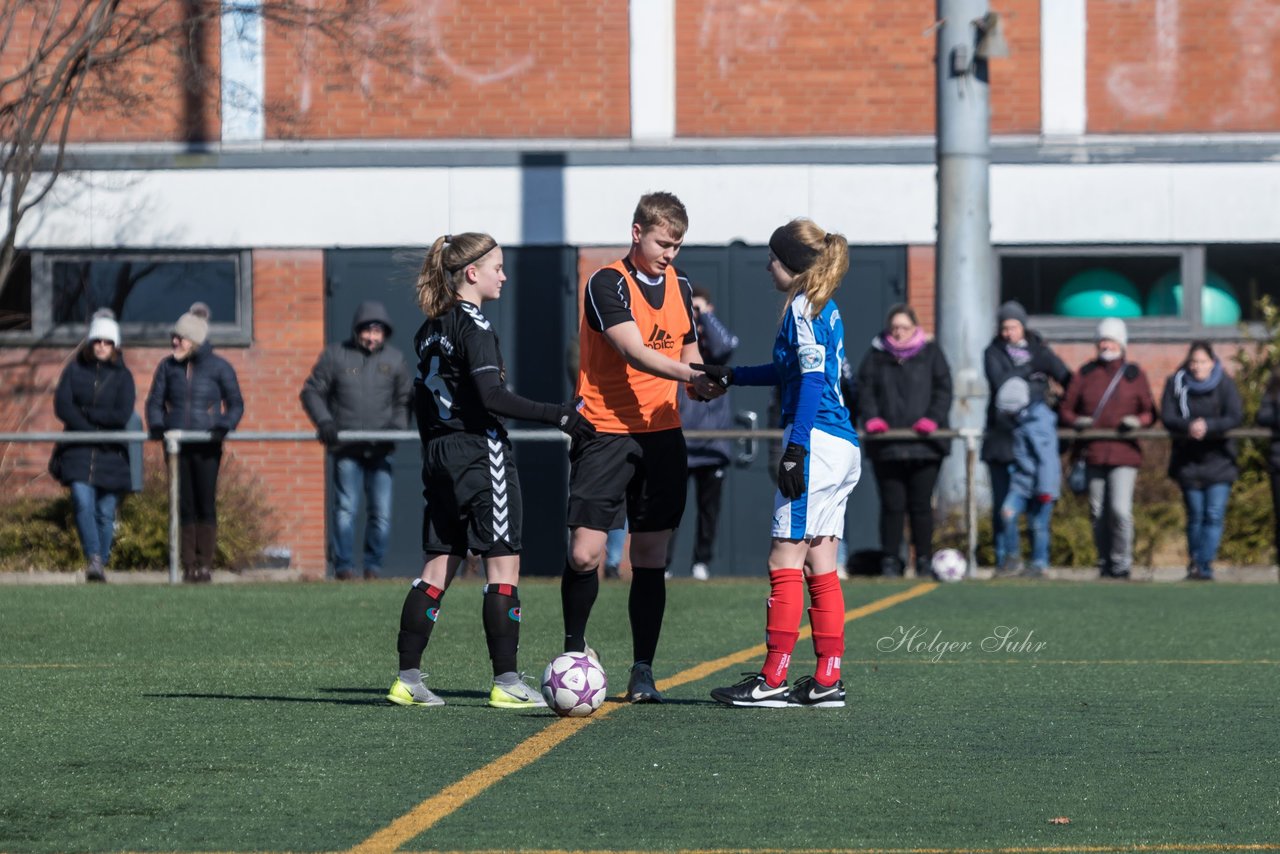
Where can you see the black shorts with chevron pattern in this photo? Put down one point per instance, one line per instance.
(472, 494)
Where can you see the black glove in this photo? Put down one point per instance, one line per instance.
(722, 374)
(328, 433)
(573, 423)
(156, 433)
(217, 434)
(791, 472)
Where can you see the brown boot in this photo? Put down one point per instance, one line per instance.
(187, 551)
(206, 550)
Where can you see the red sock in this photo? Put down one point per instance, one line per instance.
(826, 616)
(782, 622)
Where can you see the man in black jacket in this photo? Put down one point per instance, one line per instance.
(360, 384)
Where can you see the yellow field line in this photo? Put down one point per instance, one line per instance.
(450, 798)
(1049, 849)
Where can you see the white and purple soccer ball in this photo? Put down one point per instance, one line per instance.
(574, 685)
(949, 565)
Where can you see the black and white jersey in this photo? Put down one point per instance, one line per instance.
(452, 350)
(608, 302)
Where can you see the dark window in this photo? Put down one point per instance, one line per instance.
(15, 298)
(142, 290)
(54, 294)
(1240, 274)
(1091, 286)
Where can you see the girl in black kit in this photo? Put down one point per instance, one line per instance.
(469, 480)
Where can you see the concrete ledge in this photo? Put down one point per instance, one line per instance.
(220, 576)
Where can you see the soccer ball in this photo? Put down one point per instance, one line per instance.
(574, 685)
(949, 565)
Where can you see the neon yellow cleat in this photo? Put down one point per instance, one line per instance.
(403, 694)
(517, 695)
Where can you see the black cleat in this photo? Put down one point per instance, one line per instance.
(753, 691)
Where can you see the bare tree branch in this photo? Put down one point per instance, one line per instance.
(62, 60)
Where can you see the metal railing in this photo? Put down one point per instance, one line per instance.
(174, 439)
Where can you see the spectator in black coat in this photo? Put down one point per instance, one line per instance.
(1015, 352)
(196, 389)
(708, 458)
(95, 393)
(362, 383)
(1269, 416)
(904, 382)
(1200, 404)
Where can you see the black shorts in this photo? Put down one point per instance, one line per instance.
(639, 475)
(472, 494)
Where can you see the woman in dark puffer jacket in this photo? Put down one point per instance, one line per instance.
(1200, 404)
(95, 392)
(904, 382)
(195, 389)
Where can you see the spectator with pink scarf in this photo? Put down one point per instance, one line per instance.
(904, 382)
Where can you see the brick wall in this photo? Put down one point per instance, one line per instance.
(833, 68)
(503, 69)
(288, 335)
(154, 93)
(921, 285)
(1164, 66)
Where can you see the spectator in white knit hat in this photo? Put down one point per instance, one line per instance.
(95, 392)
(1110, 393)
(196, 389)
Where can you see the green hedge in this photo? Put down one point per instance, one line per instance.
(40, 533)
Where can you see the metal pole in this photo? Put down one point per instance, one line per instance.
(971, 499)
(172, 445)
(966, 293)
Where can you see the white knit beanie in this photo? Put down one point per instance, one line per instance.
(103, 327)
(1113, 329)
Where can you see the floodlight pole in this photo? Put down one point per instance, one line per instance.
(966, 291)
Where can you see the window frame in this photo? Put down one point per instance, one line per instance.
(236, 332)
(1193, 263)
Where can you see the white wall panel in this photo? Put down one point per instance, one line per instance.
(248, 208)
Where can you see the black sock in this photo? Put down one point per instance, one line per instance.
(577, 594)
(417, 618)
(501, 612)
(646, 605)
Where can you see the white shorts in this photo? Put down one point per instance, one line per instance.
(833, 467)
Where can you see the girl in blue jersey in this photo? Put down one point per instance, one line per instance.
(819, 468)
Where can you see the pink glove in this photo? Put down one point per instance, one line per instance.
(877, 425)
(925, 425)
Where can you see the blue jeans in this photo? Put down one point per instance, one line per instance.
(95, 511)
(1038, 516)
(613, 546)
(1206, 508)
(999, 474)
(351, 475)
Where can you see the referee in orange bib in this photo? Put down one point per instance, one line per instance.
(636, 341)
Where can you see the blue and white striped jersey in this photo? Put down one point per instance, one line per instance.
(807, 346)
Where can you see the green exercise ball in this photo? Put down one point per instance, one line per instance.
(1098, 293)
(1218, 303)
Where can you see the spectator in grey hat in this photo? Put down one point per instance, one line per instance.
(196, 389)
(1017, 351)
(361, 383)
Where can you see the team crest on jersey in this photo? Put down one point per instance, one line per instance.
(811, 357)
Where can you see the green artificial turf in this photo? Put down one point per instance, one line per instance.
(251, 718)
